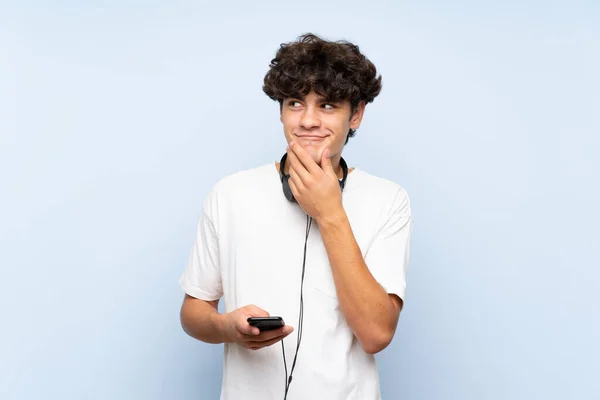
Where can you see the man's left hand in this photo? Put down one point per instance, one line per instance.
(316, 188)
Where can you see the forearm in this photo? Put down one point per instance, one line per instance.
(201, 320)
(367, 308)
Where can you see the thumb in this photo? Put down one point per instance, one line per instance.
(255, 311)
(242, 324)
(326, 163)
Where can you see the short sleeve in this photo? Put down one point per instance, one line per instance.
(202, 275)
(388, 255)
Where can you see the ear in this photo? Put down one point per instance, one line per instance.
(357, 117)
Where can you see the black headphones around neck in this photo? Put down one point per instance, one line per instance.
(287, 191)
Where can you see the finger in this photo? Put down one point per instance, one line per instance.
(243, 326)
(272, 334)
(297, 165)
(304, 158)
(260, 345)
(326, 164)
(295, 178)
(247, 330)
(255, 311)
(263, 336)
(293, 188)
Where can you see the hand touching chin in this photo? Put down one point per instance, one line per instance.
(316, 151)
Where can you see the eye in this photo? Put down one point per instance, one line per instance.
(294, 103)
(328, 106)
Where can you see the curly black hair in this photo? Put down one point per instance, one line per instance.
(338, 71)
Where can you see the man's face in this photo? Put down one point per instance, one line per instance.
(316, 124)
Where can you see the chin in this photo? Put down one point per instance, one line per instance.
(316, 152)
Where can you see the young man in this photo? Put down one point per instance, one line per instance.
(306, 239)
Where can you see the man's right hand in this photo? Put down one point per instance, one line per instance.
(238, 330)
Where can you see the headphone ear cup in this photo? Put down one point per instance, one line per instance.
(287, 190)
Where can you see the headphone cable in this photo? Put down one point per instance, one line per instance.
(288, 381)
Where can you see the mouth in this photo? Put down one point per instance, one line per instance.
(311, 137)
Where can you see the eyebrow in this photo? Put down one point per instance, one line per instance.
(320, 99)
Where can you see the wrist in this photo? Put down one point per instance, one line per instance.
(332, 219)
(221, 326)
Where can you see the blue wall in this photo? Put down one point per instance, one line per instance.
(116, 119)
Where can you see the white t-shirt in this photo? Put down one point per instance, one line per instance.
(249, 250)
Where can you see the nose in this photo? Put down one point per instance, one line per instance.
(310, 118)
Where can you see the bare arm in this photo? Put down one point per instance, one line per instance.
(371, 313)
(201, 320)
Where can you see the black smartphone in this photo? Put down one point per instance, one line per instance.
(266, 323)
